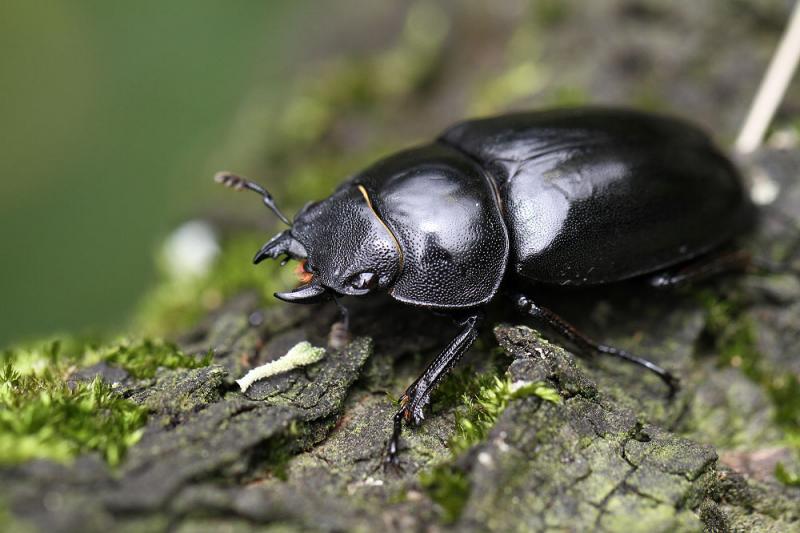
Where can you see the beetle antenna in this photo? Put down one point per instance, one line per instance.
(238, 183)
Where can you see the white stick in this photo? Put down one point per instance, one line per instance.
(301, 354)
(773, 87)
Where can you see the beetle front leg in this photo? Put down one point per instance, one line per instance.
(339, 335)
(418, 395)
(527, 306)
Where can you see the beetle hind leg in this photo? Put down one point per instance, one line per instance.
(720, 262)
(707, 266)
(528, 307)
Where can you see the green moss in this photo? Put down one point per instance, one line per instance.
(139, 357)
(300, 142)
(142, 358)
(52, 355)
(484, 399)
(785, 392)
(514, 83)
(397, 496)
(787, 477)
(448, 487)
(352, 82)
(480, 398)
(551, 12)
(522, 75)
(462, 381)
(734, 338)
(480, 411)
(274, 455)
(733, 335)
(9, 522)
(41, 417)
(569, 96)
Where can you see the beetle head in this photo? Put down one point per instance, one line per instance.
(346, 248)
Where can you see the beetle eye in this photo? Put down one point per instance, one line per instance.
(365, 280)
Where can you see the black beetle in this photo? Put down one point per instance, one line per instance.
(577, 197)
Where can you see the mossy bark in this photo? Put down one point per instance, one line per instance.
(303, 450)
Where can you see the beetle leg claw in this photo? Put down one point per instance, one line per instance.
(672, 382)
(391, 465)
(391, 461)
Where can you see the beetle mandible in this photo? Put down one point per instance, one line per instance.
(581, 197)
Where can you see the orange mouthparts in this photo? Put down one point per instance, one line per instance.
(302, 274)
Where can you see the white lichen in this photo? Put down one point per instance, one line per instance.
(301, 354)
(190, 250)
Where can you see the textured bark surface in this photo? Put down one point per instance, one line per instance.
(304, 450)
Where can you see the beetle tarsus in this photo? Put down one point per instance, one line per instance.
(527, 306)
(391, 461)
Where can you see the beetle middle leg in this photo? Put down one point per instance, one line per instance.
(527, 306)
(417, 395)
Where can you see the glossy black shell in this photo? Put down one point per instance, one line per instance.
(444, 211)
(594, 196)
(571, 197)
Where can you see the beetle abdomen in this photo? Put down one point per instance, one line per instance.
(595, 196)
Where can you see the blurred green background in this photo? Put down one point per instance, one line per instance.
(112, 115)
(116, 115)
